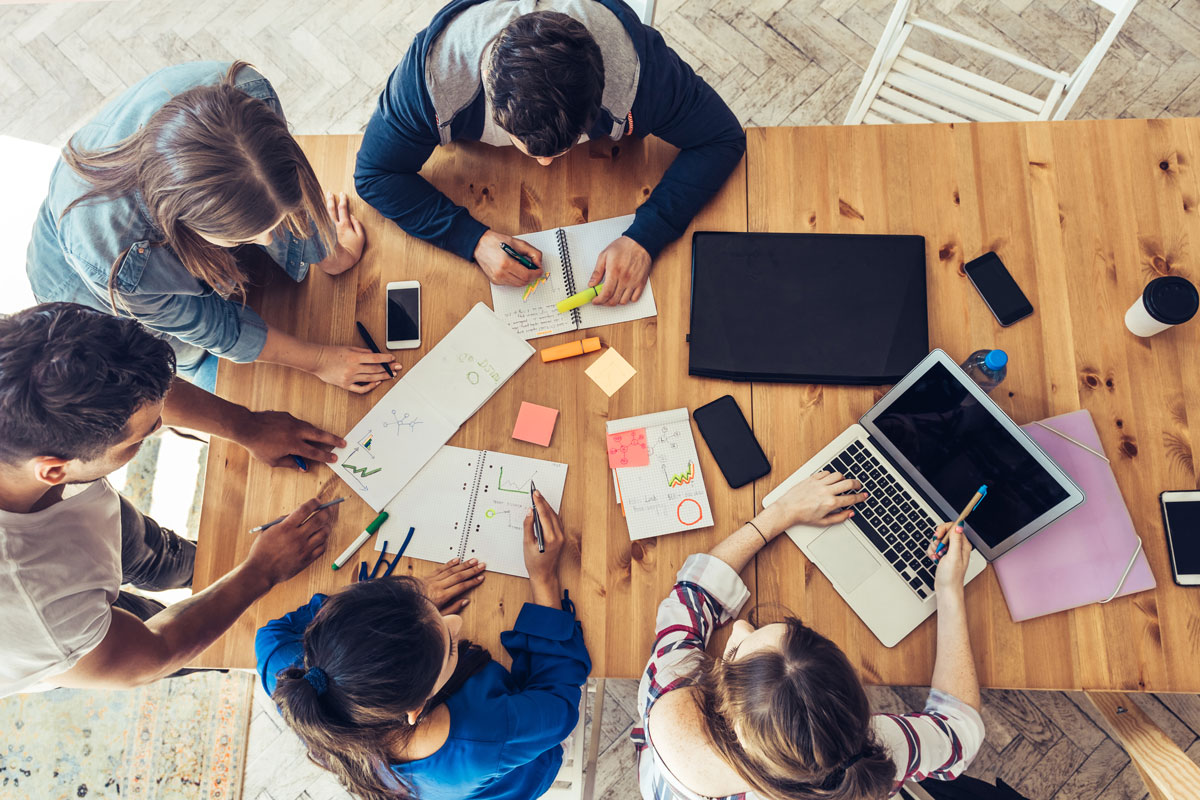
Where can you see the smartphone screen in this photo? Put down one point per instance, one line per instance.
(731, 441)
(403, 315)
(999, 290)
(1182, 519)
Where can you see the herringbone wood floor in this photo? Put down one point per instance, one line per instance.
(777, 62)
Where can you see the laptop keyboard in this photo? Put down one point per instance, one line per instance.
(890, 518)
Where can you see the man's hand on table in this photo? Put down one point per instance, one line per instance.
(351, 239)
(623, 266)
(273, 437)
(501, 268)
(281, 551)
(447, 586)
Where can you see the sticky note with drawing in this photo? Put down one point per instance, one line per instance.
(423, 409)
(664, 493)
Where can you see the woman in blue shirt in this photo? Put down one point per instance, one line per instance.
(384, 695)
(152, 195)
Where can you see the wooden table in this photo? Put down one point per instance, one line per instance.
(1083, 213)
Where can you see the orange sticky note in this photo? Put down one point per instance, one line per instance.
(535, 424)
(628, 449)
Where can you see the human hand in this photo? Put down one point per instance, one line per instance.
(284, 549)
(817, 500)
(273, 437)
(501, 268)
(952, 562)
(350, 235)
(355, 369)
(624, 267)
(446, 587)
(543, 567)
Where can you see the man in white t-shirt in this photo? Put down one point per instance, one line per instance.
(79, 392)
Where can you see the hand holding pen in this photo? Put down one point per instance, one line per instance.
(542, 564)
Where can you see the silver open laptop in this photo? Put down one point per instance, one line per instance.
(921, 453)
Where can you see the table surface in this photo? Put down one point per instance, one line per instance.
(1083, 214)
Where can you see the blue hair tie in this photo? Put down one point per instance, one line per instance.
(317, 678)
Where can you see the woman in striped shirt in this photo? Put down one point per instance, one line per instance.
(782, 714)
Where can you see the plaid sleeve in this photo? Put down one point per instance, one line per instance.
(707, 593)
(939, 742)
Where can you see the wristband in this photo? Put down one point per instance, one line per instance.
(760, 533)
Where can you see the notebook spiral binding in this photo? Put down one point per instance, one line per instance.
(465, 535)
(564, 256)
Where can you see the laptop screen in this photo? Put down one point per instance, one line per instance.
(957, 443)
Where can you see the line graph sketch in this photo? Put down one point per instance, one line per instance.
(516, 487)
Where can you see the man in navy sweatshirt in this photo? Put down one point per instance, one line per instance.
(543, 76)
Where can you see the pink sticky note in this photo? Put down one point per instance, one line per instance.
(535, 424)
(628, 449)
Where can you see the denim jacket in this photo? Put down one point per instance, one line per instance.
(69, 259)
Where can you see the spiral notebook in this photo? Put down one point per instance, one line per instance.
(471, 504)
(569, 257)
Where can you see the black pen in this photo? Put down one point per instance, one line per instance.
(537, 521)
(362, 331)
(520, 259)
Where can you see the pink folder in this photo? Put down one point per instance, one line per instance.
(1080, 558)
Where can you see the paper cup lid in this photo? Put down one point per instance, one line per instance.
(1171, 299)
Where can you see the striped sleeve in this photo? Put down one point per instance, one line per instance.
(939, 742)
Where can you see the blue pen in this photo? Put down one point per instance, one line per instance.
(982, 493)
(300, 463)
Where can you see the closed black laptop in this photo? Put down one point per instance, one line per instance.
(807, 307)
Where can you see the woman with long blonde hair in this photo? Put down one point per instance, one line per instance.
(155, 203)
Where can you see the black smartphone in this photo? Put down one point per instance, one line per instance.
(1181, 519)
(998, 289)
(731, 441)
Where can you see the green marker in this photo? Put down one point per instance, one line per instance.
(346, 555)
(581, 299)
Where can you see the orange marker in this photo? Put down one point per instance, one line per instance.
(571, 349)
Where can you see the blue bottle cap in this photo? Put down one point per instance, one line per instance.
(996, 359)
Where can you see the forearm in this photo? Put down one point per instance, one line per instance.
(739, 547)
(188, 406)
(290, 351)
(954, 666)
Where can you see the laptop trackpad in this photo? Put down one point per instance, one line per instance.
(843, 560)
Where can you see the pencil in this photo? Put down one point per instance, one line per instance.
(366, 337)
(278, 520)
(982, 493)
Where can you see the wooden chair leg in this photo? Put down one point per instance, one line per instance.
(589, 769)
(1167, 772)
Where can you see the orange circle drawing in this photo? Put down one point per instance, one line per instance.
(679, 511)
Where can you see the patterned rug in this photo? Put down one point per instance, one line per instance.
(178, 739)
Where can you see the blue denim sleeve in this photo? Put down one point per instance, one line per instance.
(676, 105)
(400, 137)
(280, 643)
(225, 328)
(550, 664)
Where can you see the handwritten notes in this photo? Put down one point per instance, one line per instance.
(535, 424)
(610, 372)
(628, 449)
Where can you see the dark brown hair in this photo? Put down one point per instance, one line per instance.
(380, 647)
(545, 81)
(795, 723)
(70, 379)
(215, 161)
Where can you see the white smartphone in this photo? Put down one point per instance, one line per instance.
(403, 315)
(1181, 518)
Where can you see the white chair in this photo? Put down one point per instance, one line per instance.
(571, 783)
(902, 84)
(26, 168)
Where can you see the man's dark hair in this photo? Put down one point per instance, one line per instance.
(545, 81)
(70, 379)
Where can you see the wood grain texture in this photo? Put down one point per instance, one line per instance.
(1167, 772)
(1083, 214)
(615, 584)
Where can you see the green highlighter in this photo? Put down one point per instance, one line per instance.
(581, 299)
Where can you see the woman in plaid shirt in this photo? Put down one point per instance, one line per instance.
(782, 714)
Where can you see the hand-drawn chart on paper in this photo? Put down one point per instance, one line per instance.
(666, 493)
(423, 409)
(472, 504)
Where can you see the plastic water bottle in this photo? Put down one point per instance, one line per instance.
(987, 367)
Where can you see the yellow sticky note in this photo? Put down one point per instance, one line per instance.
(610, 371)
